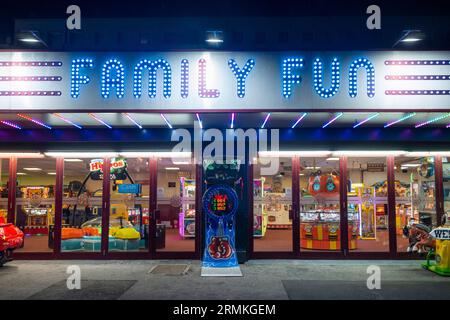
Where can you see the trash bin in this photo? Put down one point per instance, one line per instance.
(160, 239)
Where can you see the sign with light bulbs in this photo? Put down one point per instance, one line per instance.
(224, 81)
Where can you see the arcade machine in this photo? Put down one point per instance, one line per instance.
(220, 205)
(186, 217)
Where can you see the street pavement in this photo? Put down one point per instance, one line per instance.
(262, 280)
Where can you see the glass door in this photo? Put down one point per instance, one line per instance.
(272, 207)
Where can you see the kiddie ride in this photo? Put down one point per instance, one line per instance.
(11, 238)
(436, 243)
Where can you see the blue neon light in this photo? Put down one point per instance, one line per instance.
(109, 82)
(353, 77)
(318, 78)
(76, 78)
(290, 79)
(241, 74)
(152, 67)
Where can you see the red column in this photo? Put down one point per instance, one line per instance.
(439, 181)
(59, 185)
(250, 208)
(198, 210)
(153, 166)
(106, 192)
(296, 203)
(391, 205)
(343, 204)
(12, 187)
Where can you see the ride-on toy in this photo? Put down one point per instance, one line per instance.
(440, 253)
(11, 238)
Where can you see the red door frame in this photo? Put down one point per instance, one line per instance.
(12, 189)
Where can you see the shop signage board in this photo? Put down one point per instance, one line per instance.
(129, 188)
(441, 233)
(219, 81)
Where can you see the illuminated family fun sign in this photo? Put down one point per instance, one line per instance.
(195, 81)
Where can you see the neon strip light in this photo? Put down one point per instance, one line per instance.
(298, 120)
(31, 63)
(67, 120)
(30, 93)
(340, 114)
(10, 124)
(232, 121)
(417, 62)
(400, 120)
(132, 120)
(199, 121)
(99, 120)
(365, 120)
(33, 120)
(416, 92)
(433, 120)
(32, 78)
(167, 121)
(419, 77)
(265, 120)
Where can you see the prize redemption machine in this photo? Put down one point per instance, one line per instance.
(320, 215)
(186, 217)
(220, 205)
(260, 218)
(35, 211)
(127, 232)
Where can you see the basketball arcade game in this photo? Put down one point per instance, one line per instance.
(220, 204)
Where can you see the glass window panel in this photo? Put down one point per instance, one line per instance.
(367, 204)
(175, 216)
(82, 206)
(35, 203)
(4, 181)
(272, 205)
(129, 205)
(319, 204)
(415, 197)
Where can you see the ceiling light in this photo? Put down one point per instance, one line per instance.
(359, 153)
(32, 169)
(21, 173)
(73, 160)
(172, 168)
(214, 37)
(337, 116)
(4, 155)
(51, 173)
(301, 154)
(166, 121)
(265, 120)
(298, 120)
(332, 159)
(76, 155)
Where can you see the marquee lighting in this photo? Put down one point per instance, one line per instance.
(265, 121)
(184, 78)
(199, 121)
(99, 120)
(23, 116)
(132, 120)
(299, 119)
(76, 78)
(108, 81)
(232, 121)
(410, 115)
(318, 78)
(337, 116)
(432, 120)
(10, 124)
(67, 120)
(167, 121)
(353, 77)
(366, 120)
(152, 67)
(290, 79)
(241, 74)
